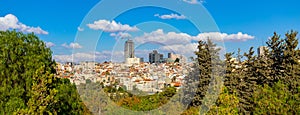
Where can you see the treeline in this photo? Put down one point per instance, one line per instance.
(265, 84)
(252, 84)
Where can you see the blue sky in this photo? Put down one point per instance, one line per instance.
(70, 27)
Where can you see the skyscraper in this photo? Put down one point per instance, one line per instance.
(129, 49)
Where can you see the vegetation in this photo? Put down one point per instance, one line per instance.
(27, 81)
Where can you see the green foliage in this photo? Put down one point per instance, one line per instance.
(207, 58)
(231, 79)
(149, 102)
(23, 59)
(227, 103)
(291, 59)
(276, 100)
(280, 62)
(27, 81)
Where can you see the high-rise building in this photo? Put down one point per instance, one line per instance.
(155, 57)
(129, 49)
(261, 50)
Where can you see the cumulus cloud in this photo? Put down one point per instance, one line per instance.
(194, 1)
(80, 29)
(121, 35)
(111, 26)
(72, 45)
(217, 36)
(49, 44)
(183, 49)
(164, 38)
(171, 38)
(10, 21)
(116, 56)
(170, 16)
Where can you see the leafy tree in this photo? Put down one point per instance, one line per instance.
(24, 59)
(276, 100)
(227, 103)
(27, 81)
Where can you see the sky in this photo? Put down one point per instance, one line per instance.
(86, 30)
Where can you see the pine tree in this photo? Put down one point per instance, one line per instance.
(264, 69)
(203, 59)
(210, 68)
(275, 57)
(231, 76)
(247, 83)
(291, 61)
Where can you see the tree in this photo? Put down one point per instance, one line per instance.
(231, 76)
(247, 83)
(27, 81)
(227, 103)
(291, 61)
(275, 57)
(177, 60)
(209, 65)
(276, 99)
(24, 58)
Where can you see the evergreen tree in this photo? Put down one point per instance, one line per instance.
(231, 76)
(209, 64)
(291, 61)
(247, 83)
(275, 57)
(263, 66)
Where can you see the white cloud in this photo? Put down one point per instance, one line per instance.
(121, 35)
(183, 49)
(164, 38)
(72, 45)
(170, 16)
(116, 56)
(49, 44)
(188, 49)
(80, 29)
(171, 38)
(11, 22)
(194, 1)
(111, 26)
(217, 36)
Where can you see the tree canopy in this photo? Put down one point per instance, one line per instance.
(27, 80)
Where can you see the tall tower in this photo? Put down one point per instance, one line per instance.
(129, 49)
(261, 50)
